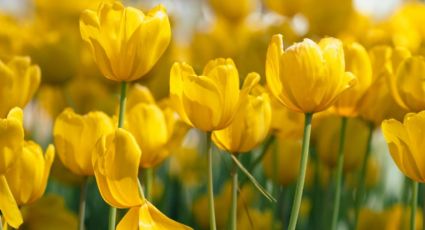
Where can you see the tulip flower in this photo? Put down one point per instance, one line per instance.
(124, 41)
(307, 77)
(208, 101)
(149, 126)
(116, 162)
(405, 144)
(251, 123)
(75, 137)
(357, 62)
(407, 84)
(19, 80)
(27, 178)
(11, 142)
(378, 102)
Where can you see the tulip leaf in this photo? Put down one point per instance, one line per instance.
(253, 180)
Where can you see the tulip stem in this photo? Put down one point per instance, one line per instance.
(123, 95)
(414, 204)
(149, 181)
(83, 196)
(210, 184)
(233, 209)
(361, 179)
(339, 171)
(301, 173)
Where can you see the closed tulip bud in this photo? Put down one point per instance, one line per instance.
(11, 142)
(124, 41)
(148, 124)
(19, 80)
(27, 178)
(233, 10)
(307, 77)
(75, 137)
(328, 130)
(405, 142)
(208, 101)
(408, 90)
(357, 62)
(251, 123)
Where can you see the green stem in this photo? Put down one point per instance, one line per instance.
(414, 204)
(149, 182)
(83, 197)
(302, 171)
(361, 179)
(210, 184)
(234, 204)
(339, 171)
(123, 94)
(1, 223)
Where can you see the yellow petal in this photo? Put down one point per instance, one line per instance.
(399, 145)
(8, 205)
(179, 71)
(11, 139)
(116, 162)
(148, 217)
(75, 137)
(274, 53)
(148, 125)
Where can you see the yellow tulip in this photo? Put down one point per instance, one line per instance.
(328, 130)
(408, 90)
(307, 77)
(11, 142)
(251, 123)
(11, 138)
(357, 61)
(148, 124)
(405, 144)
(148, 217)
(76, 136)
(19, 80)
(208, 101)
(393, 218)
(27, 178)
(49, 213)
(233, 10)
(377, 103)
(124, 41)
(116, 162)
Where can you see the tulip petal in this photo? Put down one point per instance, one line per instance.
(398, 143)
(8, 205)
(116, 163)
(148, 217)
(179, 71)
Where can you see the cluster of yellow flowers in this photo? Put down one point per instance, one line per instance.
(161, 145)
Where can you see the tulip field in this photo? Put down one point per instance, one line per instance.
(212, 114)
